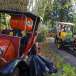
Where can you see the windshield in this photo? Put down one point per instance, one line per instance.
(68, 28)
(64, 28)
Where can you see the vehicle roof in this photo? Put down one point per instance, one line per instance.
(66, 23)
(36, 19)
(12, 12)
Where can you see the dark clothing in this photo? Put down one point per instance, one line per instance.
(23, 43)
(17, 32)
(33, 50)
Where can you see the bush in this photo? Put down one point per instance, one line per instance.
(43, 30)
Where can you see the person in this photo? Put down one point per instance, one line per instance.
(34, 49)
(17, 32)
(23, 42)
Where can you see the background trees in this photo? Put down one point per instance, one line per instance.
(57, 10)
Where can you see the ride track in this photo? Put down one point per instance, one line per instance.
(63, 53)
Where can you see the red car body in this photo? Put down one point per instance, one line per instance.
(10, 45)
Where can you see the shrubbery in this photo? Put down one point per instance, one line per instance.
(43, 30)
(67, 70)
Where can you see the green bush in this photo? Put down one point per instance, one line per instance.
(42, 33)
(67, 70)
(41, 37)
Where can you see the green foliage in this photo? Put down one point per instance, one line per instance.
(43, 30)
(62, 9)
(41, 37)
(2, 19)
(44, 9)
(69, 70)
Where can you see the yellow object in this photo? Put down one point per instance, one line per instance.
(63, 35)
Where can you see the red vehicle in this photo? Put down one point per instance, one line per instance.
(18, 50)
(15, 47)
